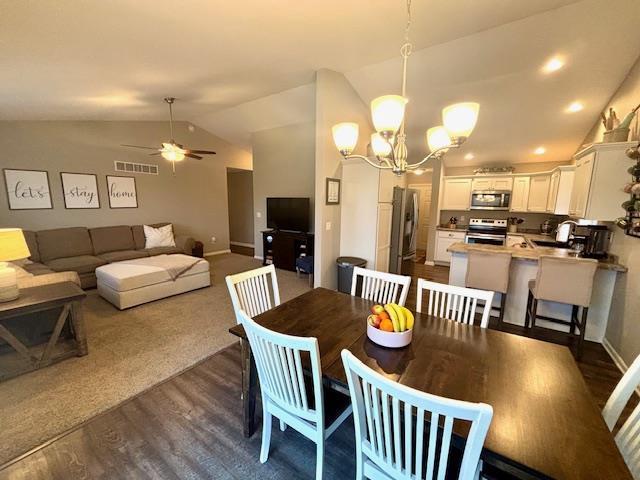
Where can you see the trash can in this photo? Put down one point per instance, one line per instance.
(345, 271)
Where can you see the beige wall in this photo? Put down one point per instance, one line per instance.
(623, 329)
(194, 199)
(283, 166)
(240, 197)
(336, 101)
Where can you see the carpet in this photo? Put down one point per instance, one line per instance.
(129, 352)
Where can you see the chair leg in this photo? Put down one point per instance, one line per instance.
(583, 328)
(283, 426)
(534, 311)
(320, 456)
(266, 433)
(503, 302)
(574, 319)
(527, 315)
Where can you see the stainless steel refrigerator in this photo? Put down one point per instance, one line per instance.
(404, 227)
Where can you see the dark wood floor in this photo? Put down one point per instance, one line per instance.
(190, 427)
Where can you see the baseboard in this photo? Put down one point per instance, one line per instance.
(429, 262)
(615, 356)
(241, 244)
(258, 257)
(217, 252)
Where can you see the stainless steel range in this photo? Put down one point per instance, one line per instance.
(486, 231)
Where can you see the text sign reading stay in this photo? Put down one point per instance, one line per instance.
(80, 190)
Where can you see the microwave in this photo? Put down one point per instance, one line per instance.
(490, 200)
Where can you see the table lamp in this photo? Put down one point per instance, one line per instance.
(13, 246)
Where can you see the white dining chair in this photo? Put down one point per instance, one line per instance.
(627, 437)
(381, 287)
(288, 394)
(455, 303)
(250, 291)
(390, 422)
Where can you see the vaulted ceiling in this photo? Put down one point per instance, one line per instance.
(244, 66)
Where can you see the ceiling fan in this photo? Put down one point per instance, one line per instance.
(172, 151)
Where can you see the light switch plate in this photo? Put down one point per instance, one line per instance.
(259, 214)
(328, 226)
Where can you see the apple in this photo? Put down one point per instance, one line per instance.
(374, 320)
(377, 309)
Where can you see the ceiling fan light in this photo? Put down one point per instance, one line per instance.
(173, 156)
(460, 118)
(438, 137)
(345, 136)
(387, 112)
(380, 147)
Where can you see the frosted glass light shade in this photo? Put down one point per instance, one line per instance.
(13, 246)
(380, 147)
(460, 119)
(345, 136)
(387, 112)
(438, 137)
(172, 152)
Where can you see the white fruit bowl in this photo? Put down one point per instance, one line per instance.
(389, 339)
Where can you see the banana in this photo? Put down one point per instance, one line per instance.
(402, 318)
(393, 315)
(409, 316)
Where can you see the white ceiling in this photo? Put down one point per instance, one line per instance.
(239, 67)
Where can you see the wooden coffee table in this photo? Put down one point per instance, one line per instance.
(65, 298)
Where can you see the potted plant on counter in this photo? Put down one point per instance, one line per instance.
(513, 223)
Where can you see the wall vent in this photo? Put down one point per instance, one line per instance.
(130, 167)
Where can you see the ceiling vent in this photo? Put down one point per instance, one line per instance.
(130, 167)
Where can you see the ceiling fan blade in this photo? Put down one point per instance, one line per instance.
(156, 153)
(202, 152)
(191, 155)
(139, 146)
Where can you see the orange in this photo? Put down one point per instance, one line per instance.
(383, 315)
(386, 325)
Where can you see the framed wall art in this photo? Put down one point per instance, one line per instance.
(333, 191)
(28, 189)
(122, 192)
(80, 190)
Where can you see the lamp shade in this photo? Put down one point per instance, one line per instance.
(345, 136)
(438, 137)
(460, 119)
(13, 246)
(387, 112)
(380, 147)
(172, 152)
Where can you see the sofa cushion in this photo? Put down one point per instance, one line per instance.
(80, 263)
(37, 268)
(123, 255)
(161, 250)
(32, 243)
(112, 239)
(138, 234)
(64, 242)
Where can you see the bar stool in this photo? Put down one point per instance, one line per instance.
(563, 280)
(489, 271)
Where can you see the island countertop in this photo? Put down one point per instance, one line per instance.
(532, 253)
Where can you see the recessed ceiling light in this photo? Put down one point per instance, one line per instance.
(469, 156)
(575, 107)
(554, 64)
(540, 151)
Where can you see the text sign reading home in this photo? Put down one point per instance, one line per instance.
(80, 190)
(122, 192)
(27, 189)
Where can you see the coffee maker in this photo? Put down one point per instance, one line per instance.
(595, 240)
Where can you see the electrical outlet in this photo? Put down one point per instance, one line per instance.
(214, 239)
(259, 214)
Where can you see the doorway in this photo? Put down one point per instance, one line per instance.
(422, 185)
(240, 201)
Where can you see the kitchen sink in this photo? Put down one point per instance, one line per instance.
(549, 243)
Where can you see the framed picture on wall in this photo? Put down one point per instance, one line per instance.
(333, 191)
(80, 190)
(28, 189)
(122, 192)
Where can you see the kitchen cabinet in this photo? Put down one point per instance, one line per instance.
(538, 193)
(492, 183)
(560, 189)
(520, 194)
(456, 194)
(601, 171)
(444, 239)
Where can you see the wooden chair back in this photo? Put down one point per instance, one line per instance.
(455, 303)
(381, 287)
(405, 433)
(250, 291)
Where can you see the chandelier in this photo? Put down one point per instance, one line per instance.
(388, 115)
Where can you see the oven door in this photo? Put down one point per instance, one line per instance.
(491, 200)
(484, 238)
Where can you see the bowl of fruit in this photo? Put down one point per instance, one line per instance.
(390, 325)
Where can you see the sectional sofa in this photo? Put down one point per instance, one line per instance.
(82, 250)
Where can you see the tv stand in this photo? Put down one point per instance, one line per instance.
(281, 248)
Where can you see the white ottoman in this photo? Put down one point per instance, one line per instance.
(134, 282)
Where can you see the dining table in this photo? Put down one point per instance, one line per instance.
(545, 423)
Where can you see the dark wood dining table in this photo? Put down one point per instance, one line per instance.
(545, 421)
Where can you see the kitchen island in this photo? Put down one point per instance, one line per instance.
(524, 267)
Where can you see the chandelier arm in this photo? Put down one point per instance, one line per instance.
(362, 157)
(392, 154)
(439, 152)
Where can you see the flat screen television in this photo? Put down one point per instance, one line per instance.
(288, 214)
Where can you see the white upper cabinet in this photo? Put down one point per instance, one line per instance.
(520, 194)
(601, 171)
(560, 190)
(538, 193)
(492, 183)
(456, 194)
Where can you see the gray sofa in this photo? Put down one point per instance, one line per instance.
(82, 250)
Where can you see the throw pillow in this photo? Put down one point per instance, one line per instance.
(158, 237)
